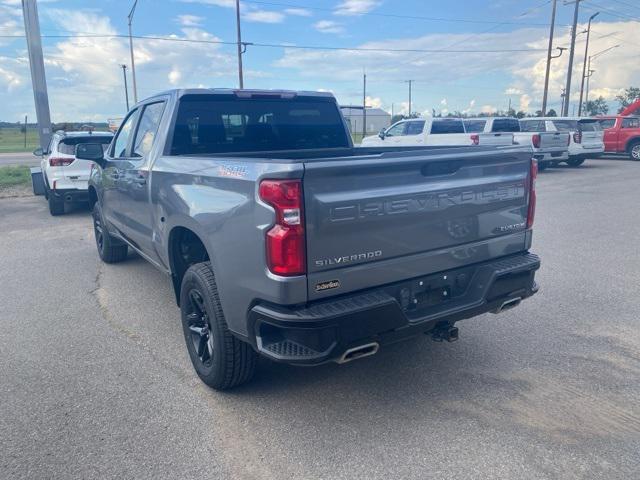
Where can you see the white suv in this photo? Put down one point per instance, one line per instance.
(65, 178)
(586, 137)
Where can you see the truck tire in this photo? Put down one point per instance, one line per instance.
(221, 360)
(56, 205)
(634, 151)
(575, 162)
(110, 249)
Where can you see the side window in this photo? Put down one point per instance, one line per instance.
(631, 123)
(608, 123)
(414, 128)
(474, 126)
(147, 129)
(396, 130)
(122, 140)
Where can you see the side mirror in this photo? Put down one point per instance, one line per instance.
(90, 151)
(382, 134)
(38, 152)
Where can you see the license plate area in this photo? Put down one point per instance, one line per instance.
(432, 291)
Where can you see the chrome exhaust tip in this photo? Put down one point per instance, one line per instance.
(361, 351)
(508, 304)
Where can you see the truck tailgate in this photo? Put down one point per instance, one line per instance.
(553, 141)
(389, 217)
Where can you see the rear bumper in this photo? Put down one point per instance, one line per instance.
(323, 331)
(554, 156)
(71, 195)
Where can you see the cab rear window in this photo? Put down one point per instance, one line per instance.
(446, 125)
(210, 124)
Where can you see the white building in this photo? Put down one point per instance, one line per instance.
(377, 119)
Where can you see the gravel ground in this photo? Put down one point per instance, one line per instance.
(96, 381)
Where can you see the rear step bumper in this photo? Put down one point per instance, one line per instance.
(346, 327)
(71, 195)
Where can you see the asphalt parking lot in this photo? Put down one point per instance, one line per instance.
(96, 381)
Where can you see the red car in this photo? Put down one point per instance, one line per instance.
(621, 135)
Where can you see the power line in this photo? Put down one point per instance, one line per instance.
(289, 46)
(611, 12)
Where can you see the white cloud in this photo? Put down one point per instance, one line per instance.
(355, 7)
(174, 76)
(298, 12)
(488, 109)
(516, 72)
(328, 26)
(373, 102)
(190, 20)
(525, 101)
(250, 13)
(443, 102)
(263, 16)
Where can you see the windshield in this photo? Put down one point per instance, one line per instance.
(222, 124)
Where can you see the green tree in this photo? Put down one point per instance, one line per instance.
(629, 96)
(552, 113)
(596, 107)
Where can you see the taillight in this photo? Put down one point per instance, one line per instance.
(535, 139)
(475, 139)
(531, 211)
(577, 137)
(60, 162)
(285, 240)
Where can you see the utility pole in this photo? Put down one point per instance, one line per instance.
(38, 78)
(126, 90)
(25, 132)
(509, 109)
(563, 95)
(565, 110)
(133, 63)
(364, 105)
(549, 57)
(584, 63)
(240, 79)
(409, 82)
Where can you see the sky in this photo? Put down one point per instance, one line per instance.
(462, 55)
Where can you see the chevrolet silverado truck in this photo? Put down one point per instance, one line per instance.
(283, 240)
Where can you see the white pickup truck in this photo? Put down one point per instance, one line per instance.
(432, 131)
(586, 137)
(549, 148)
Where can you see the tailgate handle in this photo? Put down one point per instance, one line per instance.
(441, 168)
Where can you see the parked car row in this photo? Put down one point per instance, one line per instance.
(553, 140)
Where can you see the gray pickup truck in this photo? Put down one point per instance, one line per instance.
(284, 240)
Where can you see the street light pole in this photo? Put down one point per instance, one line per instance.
(594, 56)
(546, 75)
(567, 90)
(133, 63)
(584, 63)
(240, 79)
(126, 90)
